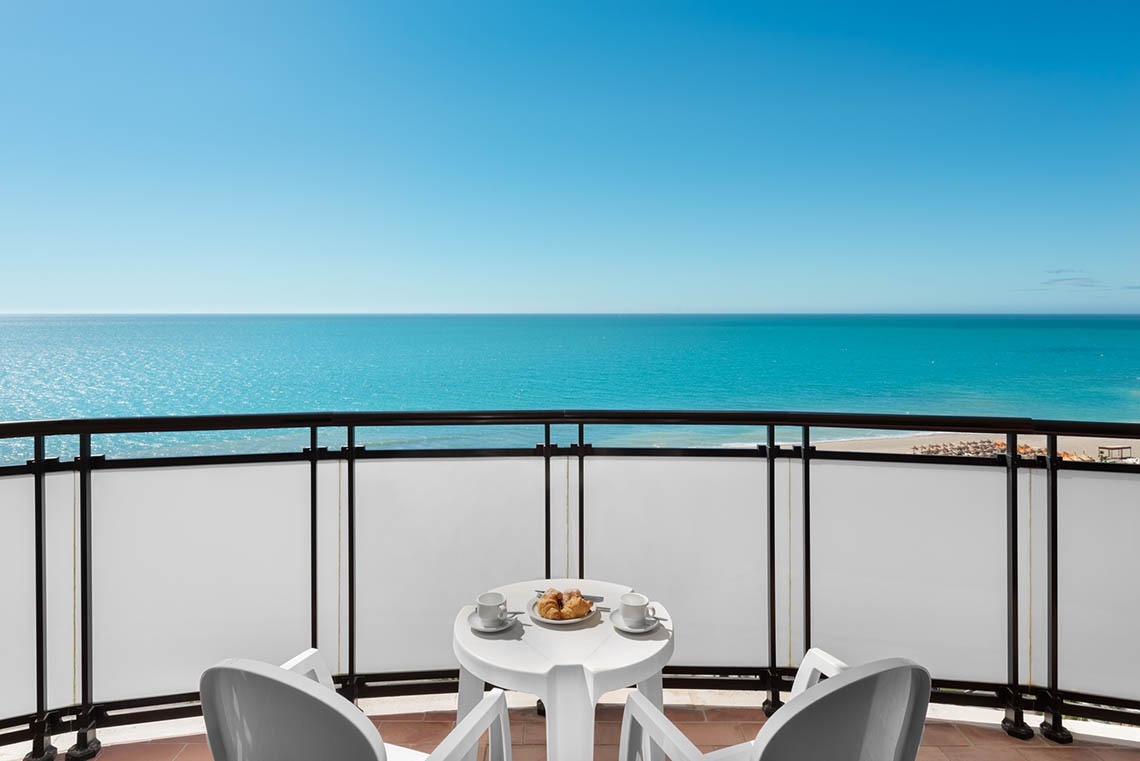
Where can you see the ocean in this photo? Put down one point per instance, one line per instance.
(1059, 367)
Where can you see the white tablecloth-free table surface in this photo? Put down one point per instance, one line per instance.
(567, 667)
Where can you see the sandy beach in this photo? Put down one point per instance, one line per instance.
(1080, 447)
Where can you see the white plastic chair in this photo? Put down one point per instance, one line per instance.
(873, 712)
(259, 712)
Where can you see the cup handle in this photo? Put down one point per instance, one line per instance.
(651, 612)
(502, 610)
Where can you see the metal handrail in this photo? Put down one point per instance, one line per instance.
(869, 421)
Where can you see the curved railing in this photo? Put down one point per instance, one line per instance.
(123, 575)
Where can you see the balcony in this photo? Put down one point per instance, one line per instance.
(129, 565)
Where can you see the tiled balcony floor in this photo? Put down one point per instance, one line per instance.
(708, 727)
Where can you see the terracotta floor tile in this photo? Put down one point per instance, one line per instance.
(528, 752)
(982, 753)
(1117, 754)
(440, 716)
(1059, 753)
(930, 753)
(711, 733)
(980, 734)
(523, 714)
(412, 732)
(749, 729)
(402, 717)
(607, 734)
(605, 752)
(194, 752)
(141, 751)
(735, 714)
(940, 733)
(182, 740)
(609, 713)
(684, 713)
(533, 733)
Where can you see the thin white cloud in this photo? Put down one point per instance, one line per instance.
(1074, 282)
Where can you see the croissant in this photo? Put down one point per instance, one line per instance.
(548, 607)
(558, 606)
(575, 606)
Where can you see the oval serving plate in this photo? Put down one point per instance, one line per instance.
(533, 613)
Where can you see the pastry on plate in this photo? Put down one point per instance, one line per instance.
(558, 606)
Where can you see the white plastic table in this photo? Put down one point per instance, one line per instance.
(567, 667)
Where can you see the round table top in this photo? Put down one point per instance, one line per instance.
(525, 655)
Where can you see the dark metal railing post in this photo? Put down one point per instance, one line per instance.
(581, 501)
(546, 492)
(87, 745)
(1051, 727)
(773, 702)
(807, 537)
(42, 749)
(313, 461)
(352, 685)
(1014, 721)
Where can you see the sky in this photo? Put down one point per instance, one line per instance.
(539, 156)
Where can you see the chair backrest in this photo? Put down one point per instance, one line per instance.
(258, 712)
(872, 712)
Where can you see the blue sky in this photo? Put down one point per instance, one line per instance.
(565, 157)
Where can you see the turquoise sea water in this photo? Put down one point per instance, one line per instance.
(1065, 367)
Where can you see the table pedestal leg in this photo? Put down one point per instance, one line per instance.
(470, 693)
(653, 689)
(569, 716)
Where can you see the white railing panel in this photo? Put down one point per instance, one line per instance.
(18, 577)
(61, 512)
(899, 551)
(692, 533)
(332, 564)
(789, 562)
(431, 535)
(195, 564)
(1098, 520)
(1033, 576)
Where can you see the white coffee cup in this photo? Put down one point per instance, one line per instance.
(636, 610)
(492, 607)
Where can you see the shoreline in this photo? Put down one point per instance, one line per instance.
(906, 443)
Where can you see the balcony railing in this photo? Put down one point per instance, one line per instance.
(1012, 578)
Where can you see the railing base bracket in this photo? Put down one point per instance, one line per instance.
(770, 706)
(1059, 735)
(89, 750)
(1018, 729)
(48, 754)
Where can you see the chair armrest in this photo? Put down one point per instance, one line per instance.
(310, 664)
(489, 715)
(642, 720)
(816, 663)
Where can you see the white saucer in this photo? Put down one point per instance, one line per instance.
(532, 611)
(477, 625)
(619, 623)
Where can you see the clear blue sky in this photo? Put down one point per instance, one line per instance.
(569, 156)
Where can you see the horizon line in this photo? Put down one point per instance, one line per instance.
(804, 313)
